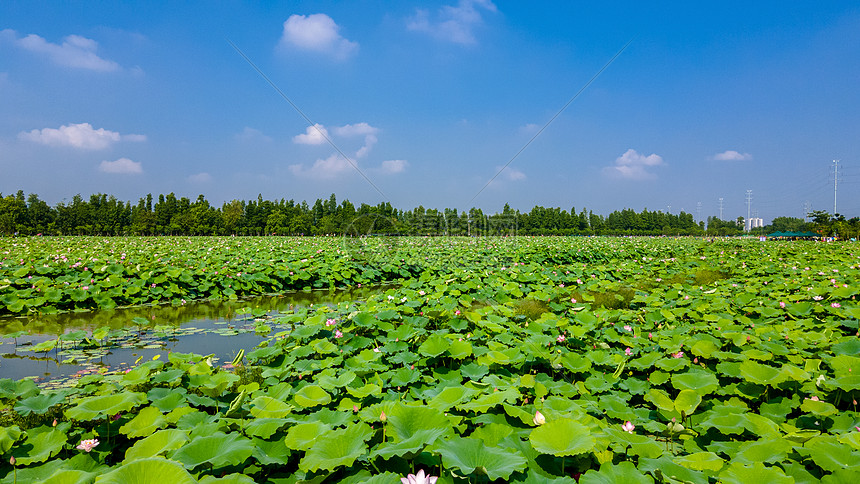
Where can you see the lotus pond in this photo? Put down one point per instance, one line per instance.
(530, 360)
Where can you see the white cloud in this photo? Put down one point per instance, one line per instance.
(454, 23)
(75, 51)
(391, 167)
(252, 135)
(513, 174)
(634, 166)
(732, 155)
(121, 166)
(81, 136)
(200, 178)
(318, 33)
(323, 169)
(314, 135)
(358, 129)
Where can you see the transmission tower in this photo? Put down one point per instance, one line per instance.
(807, 207)
(721, 208)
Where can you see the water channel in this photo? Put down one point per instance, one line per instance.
(220, 328)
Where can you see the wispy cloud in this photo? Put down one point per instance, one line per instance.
(317, 33)
(74, 51)
(250, 135)
(122, 166)
(391, 167)
(452, 23)
(732, 155)
(199, 178)
(634, 166)
(81, 136)
(359, 129)
(323, 169)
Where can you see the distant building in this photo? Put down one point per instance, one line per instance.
(752, 223)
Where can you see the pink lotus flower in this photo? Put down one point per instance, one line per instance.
(781, 304)
(418, 478)
(539, 419)
(87, 445)
(330, 322)
(627, 351)
(560, 338)
(678, 354)
(835, 305)
(628, 427)
(627, 327)
(338, 334)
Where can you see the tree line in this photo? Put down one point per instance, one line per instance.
(104, 214)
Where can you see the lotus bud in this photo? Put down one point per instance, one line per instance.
(383, 417)
(12, 460)
(539, 419)
(55, 423)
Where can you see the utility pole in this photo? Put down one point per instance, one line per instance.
(835, 179)
(721, 208)
(749, 205)
(806, 209)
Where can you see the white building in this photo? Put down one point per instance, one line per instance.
(752, 223)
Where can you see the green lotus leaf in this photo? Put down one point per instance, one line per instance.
(611, 474)
(435, 345)
(687, 401)
(704, 348)
(404, 376)
(265, 427)
(312, 396)
(267, 407)
(534, 478)
(8, 437)
(218, 449)
(460, 349)
(827, 453)
(329, 382)
(228, 479)
(562, 437)
(41, 444)
(105, 405)
(20, 389)
(39, 404)
(738, 473)
(270, 452)
(147, 421)
(667, 471)
(701, 461)
(660, 399)
(758, 373)
(472, 455)
(72, 476)
(153, 470)
(364, 391)
(771, 450)
(304, 435)
(337, 448)
(817, 407)
(156, 444)
(702, 382)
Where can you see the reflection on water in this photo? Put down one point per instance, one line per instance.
(214, 327)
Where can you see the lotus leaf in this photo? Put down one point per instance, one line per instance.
(105, 405)
(218, 449)
(337, 448)
(153, 470)
(610, 474)
(472, 455)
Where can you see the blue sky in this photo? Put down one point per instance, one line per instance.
(431, 100)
